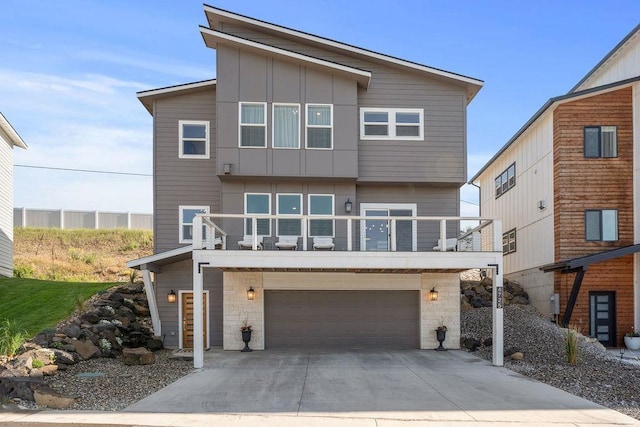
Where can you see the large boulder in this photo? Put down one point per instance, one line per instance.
(46, 396)
(85, 349)
(138, 356)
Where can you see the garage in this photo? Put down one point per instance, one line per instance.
(341, 319)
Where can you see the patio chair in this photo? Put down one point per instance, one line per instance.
(323, 244)
(247, 242)
(452, 245)
(289, 243)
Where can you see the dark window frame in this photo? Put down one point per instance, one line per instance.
(601, 150)
(505, 181)
(600, 225)
(510, 246)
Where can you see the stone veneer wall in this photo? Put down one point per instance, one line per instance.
(237, 309)
(446, 310)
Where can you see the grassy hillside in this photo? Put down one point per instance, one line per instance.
(36, 304)
(78, 255)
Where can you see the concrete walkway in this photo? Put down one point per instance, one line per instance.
(351, 388)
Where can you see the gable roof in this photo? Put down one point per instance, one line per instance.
(550, 105)
(8, 133)
(147, 97)
(213, 37)
(607, 57)
(216, 16)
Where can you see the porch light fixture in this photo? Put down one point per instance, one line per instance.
(348, 206)
(251, 294)
(172, 297)
(433, 295)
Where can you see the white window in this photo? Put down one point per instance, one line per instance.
(509, 242)
(321, 205)
(289, 205)
(286, 126)
(392, 123)
(187, 214)
(253, 124)
(601, 225)
(319, 126)
(193, 139)
(258, 203)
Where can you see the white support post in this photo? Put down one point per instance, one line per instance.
(443, 235)
(392, 235)
(153, 305)
(497, 297)
(254, 234)
(197, 232)
(198, 313)
(24, 217)
(97, 220)
(128, 220)
(349, 235)
(61, 219)
(304, 233)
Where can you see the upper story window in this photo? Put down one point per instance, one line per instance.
(321, 205)
(392, 123)
(193, 139)
(289, 205)
(253, 124)
(509, 242)
(187, 214)
(319, 126)
(601, 225)
(286, 125)
(506, 180)
(258, 203)
(600, 141)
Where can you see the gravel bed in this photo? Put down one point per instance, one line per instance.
(120, 385)
(598, 376)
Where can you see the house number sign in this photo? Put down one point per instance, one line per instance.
(499, 296)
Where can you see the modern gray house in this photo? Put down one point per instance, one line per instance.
(9, 138)
(312, 192)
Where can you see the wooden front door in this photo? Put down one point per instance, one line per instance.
(187, 318)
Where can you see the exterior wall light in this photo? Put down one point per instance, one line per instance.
(172, 297)
(433, 295)
(251, 294)
(348, 206)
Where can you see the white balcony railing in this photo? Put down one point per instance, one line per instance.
(222, 231)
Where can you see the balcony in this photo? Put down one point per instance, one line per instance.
(361, 244)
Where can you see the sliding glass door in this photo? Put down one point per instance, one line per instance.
(379, 233)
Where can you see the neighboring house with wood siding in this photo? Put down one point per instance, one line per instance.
(9, 138)
(566, 187)
(351, 158)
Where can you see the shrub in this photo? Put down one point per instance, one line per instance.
(37, 364)
(23, 270)
(11, 337)
(572, 345)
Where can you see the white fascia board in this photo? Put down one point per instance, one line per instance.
(12, 136)
(177, 88)
(333, 260)
(342, 46)
(159, 256)
(363, 77)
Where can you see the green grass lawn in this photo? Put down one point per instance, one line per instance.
(37, 304)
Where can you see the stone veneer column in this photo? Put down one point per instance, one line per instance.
(237, 309)
(444, 311)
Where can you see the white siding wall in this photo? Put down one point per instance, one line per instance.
(518, 207)
(625, 64)
(6, 208)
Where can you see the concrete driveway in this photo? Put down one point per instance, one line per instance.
(418, 385)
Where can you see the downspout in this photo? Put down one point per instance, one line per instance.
(153, 305)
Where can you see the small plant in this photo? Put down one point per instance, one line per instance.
(245, 327)
(23, 271)
(81, 303)
(11, 338)
(37, 364)
(572, 345)
(632, 333)
(57, 345)
(133, 275)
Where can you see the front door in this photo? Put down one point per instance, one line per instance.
(186, 313)
(381, 234)
(602, 317)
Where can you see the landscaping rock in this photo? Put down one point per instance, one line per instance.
(18, 387)
(138, 356)
(517, 356)
(65, 357)
(49, 370)
(46, 396)
(154, 344)
(85, 349)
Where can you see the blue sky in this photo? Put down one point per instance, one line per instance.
(70, 70)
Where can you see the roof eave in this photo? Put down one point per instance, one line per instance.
(12, 134)
(146, 97)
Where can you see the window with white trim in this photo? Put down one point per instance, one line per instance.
(253, 124)
(286, 126)
(319, 126)
(186, 216)
(289, 205)
(601, 225)
(600, 141)
(321, 205)
(506, 180)
(392, 123)
(193, 139)
(257, 203)
(509, 242)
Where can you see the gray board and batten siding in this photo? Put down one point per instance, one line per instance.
(441, 157)
(190, 182)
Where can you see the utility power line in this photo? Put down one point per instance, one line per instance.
(84, 170)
